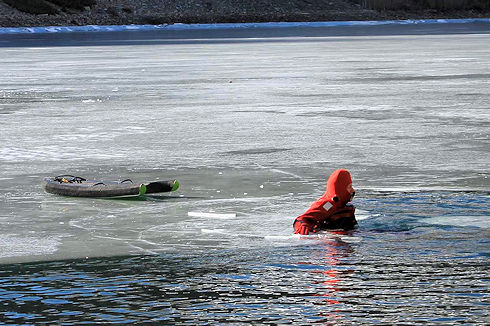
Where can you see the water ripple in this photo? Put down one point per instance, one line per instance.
(327, 281)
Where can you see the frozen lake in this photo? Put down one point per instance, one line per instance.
(251, 126)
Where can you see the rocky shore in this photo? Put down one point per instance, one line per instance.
(125, 12)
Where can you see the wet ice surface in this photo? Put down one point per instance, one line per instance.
(252, 129)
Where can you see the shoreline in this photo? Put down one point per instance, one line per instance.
(169, 12)
(221, 26)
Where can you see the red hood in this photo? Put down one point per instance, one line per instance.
(339, 185)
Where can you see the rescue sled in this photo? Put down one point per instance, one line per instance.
(69, 185)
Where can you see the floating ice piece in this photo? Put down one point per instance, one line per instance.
(455, 220)
(212, 231)
(212, 215)
(363, 215)
(281, 237)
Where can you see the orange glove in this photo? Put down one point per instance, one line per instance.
(304, 226)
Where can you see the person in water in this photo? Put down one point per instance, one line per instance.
(332, 210)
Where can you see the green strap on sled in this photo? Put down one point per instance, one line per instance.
(142, 189)
(175, 186)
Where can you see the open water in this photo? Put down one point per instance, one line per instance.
(253, 127)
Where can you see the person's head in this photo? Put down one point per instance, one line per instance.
(339, 188)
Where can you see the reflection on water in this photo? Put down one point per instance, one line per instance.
(329, 288)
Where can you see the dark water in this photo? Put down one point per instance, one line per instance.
(328, 281)
(252, 128)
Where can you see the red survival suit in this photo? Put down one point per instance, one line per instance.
(331, 211)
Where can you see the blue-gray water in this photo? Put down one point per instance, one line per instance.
(249, 126)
